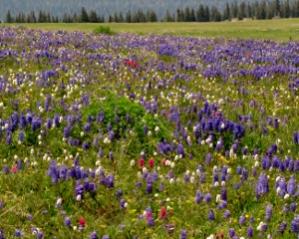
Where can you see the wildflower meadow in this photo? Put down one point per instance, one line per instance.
(147, 136)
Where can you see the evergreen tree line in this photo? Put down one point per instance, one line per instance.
(257, 10)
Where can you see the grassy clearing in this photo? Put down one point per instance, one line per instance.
(280, 29)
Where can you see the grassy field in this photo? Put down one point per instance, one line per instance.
(149, 137)
(281, 29)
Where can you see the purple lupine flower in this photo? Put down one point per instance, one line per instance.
(231, 232)
(40, 235)
(282, 227)
(93, 235)
(296, 138)
(180, 150)
(36, 123)
(208, 197)
(48, 102)
(67, 221)
(19, 164)
(122, 203)
(268, 212)
(67, 131)
(118, 193)
(291, 186)
(262, 186)
(101, 153)
(111, 155)
(211, 215)
(105, 237)
(87, 127)
(8, 137)
(295, 225)
(198, 197)
(226, 214)
(250, 232)
(86, 145)
(110, 181)
(242, 220)
(49, 123)
(21, 136)
(264, 227)
(222, 204)
(5, 169)
(272, 149)
(266, 163)
(293, 206)
(281, 187)
(224, 194)
(276, 162)
(18, 233)
(149, 187)
(239, 170)
(183, 234)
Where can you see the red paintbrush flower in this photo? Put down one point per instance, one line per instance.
(131, 63)
(14, 169)
(141, 162)
(82, 222)
(163, 213)
(151, 163)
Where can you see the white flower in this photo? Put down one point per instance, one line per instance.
(132, 162)
(211, 236)
(106, 140)
(98, 171)
(192, 179)
(144, 170)
(78, 197)
(277, 178)
(198, 172)
(278, 190)
(58, 202)
(286, 196)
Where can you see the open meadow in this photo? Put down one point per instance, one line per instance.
(280, 29)
(182, 130)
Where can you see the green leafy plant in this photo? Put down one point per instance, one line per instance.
(103, 30)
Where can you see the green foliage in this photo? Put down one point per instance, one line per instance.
(131, 116)
(276, 29)
(106, 30)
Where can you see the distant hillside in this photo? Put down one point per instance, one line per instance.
(103, 7)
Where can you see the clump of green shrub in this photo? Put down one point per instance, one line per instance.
(103, 30)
